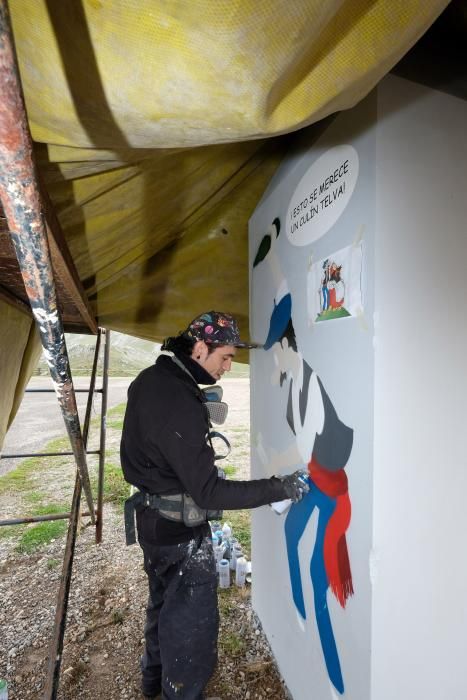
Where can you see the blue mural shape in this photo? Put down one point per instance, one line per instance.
(323, 447)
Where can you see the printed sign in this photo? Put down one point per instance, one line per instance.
(335, 285)
(322, 195)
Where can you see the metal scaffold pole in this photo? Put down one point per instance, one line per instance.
(103, 427)
(20, 196)
(56, 644)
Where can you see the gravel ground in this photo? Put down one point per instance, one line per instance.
(103, 640)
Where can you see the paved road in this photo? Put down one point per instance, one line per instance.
(39, 418)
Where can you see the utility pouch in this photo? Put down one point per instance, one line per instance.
(178, 507)
(172, 507)
(192, 514)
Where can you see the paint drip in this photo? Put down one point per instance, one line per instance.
(224, 574)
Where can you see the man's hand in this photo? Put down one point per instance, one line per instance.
(295, 485)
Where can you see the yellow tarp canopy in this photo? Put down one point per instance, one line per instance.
(153, 125)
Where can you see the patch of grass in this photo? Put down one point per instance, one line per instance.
(40, 535)
(229, 470)
(227, 600)
(22, 531)
(231, 644)
(61, 444)
(115, 424)
(8, 531)
(52, 508)
(116, 489)
(115, 416)
(117, 411)
(52, 563)
(34, 497)
(19, 479)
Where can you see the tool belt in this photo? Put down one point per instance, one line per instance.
(178, 507)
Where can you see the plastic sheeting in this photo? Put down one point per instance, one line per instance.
(178, 73)
(20, 352)
(120, 93)
(151, 122)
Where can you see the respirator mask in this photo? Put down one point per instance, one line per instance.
(217, 408)
(217, 412)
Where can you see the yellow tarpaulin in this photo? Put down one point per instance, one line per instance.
(152, 122)
(151, 119)
(20, 354)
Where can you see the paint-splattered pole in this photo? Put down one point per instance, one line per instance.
(20, 196)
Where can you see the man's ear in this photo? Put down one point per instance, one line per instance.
(200, 350)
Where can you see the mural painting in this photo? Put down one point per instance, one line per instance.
(320, 443)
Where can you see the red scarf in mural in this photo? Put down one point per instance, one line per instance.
(336, 557)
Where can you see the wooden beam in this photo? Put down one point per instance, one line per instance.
(10, 299)
(63, 265)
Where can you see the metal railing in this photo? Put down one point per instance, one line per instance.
(56, 642)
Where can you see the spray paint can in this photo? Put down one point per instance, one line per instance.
(3, 689)
(280, 507)
(226, 549)
(235, 553)
(224, 574)
(232, 544)
(219, 554)
(240, 571)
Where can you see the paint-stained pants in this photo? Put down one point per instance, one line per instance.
(182, 618)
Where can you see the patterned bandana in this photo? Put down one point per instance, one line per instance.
(217, 328)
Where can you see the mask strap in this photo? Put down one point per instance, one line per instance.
(217, 434)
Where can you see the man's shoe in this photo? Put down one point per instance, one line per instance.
(152, 691)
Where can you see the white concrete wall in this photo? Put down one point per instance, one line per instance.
(419, 630)
(341, 353)
(397, 376)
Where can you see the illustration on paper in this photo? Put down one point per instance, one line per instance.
(322, 444)
(335, 285)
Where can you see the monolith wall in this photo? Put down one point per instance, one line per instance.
(357, 289)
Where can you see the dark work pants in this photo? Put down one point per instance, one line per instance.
(182, 618)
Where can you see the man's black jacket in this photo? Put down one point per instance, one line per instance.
(164, 448)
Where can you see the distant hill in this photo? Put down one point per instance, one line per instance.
(128, 356)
